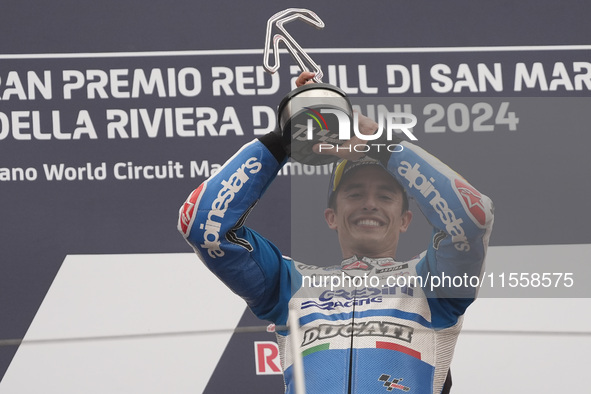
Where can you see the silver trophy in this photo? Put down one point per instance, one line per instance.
(307, 113)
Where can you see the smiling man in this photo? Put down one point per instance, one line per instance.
(396, 331)
(368, 208)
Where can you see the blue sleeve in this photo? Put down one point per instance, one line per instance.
(461, 217)
(212, 221)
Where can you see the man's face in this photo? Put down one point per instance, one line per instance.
(368, 213)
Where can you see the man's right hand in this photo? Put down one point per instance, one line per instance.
(304, 78)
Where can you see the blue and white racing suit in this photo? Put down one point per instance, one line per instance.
(388, 336)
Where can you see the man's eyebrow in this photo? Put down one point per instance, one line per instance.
(350, 186)
(382, 186)
(389, 187)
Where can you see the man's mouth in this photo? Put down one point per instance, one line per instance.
(368, 223)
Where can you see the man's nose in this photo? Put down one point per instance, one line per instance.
(370, 202)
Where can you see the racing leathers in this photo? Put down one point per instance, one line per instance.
(395, 332)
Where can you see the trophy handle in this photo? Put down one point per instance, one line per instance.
(297, 52)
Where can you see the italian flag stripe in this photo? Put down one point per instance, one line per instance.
(398, 348)
(315, 349)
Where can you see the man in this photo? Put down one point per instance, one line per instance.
(390, 334)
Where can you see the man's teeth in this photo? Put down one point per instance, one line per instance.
(368, 222)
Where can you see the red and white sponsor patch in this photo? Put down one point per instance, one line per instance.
(359, 265)
(387, 263)
(187, 214)
(472, 200)
(267, 359)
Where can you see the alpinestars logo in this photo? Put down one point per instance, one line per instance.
(186, 216)
(473, 201)
(392, 384)
(425, 186)
(357, 265)
(230, 187)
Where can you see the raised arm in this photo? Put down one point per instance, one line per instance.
(212, 221)
(461, 216)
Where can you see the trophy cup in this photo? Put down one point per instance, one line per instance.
(307, 113)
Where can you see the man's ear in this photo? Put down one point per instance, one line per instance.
(330, 217)
(406, 219)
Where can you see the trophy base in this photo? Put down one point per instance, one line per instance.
(307, 117)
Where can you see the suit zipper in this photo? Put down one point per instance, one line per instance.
(350, 383)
